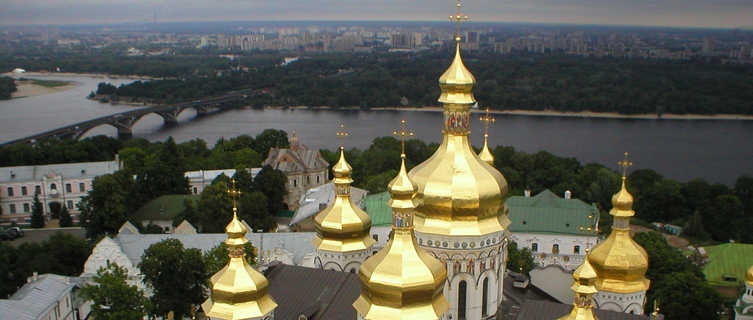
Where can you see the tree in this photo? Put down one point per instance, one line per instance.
(719, 213)
(215, 207)
(65, 218)
(694, 228)
(217, 258)
(176, 276)
(112, 297)
(271, 182)
(104, 209)
(270, 138)
(253, 209)
(189, 213)
(37, 217)
(518, 258)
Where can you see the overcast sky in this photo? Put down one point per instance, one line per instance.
(696, 13)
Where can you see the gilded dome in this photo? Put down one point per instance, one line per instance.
(620, 262)
(583, 285)
(749, 276)
(342, 226)
(238, 290)
(402, 281)
(460, 194)
(485, 154)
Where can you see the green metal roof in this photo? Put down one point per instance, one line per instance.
(728, 259)
(285, 214)
(163, 208)
(377, 208)
(549, 214)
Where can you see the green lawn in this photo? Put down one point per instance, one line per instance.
(732, 259)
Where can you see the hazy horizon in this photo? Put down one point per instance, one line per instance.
(667, 13)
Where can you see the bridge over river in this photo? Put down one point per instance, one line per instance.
(124, 121)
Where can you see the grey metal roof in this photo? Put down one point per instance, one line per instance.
(299, 243)
(316, 293)
(304, 159)
(36, 297)
(544, 310)
(67, 170)
(554, 281)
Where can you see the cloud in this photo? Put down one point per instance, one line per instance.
(717, 13)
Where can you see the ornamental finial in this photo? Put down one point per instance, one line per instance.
(487, 119)
(458, 18)
(625, 163)
(342, 134)
(234, 194)
(403, 132)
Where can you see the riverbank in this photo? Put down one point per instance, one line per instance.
(71, 74)
(552, 113)
(30, 88)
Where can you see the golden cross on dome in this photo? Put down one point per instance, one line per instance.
(487, 119)
(625, 163)
(342, 134)
(403, 133)
(234, 193)
(458, 18)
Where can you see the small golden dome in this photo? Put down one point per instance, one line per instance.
(343, 226)
(238, 291)
(402, 281)
(485, 154)
(622, 202)
(342, 168)
(749, 276)
(457, 82)
(584, 288)
(620, 262)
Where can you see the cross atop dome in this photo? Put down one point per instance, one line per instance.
(403, 133)
(487, 119)
(458, 18)
(625, 163)
(342, 134)
(234, 194)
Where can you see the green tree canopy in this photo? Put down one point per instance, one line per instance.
(112, 297)
(37, 216)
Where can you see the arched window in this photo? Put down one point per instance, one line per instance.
(485, 297)
(576, 249)
(53, 187)
(534, 247)
(555, 249)
(461, 299)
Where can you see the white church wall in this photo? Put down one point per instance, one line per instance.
(542, 247)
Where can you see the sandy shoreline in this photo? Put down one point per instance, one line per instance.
(552, 113)
(26, 88)
(71, 74)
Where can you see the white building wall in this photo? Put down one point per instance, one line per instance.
(341, 261)
(472, 260)
(542, 247)
(621, 302)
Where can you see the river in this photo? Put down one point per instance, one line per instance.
(715, 150)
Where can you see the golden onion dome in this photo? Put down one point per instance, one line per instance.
(342, 226)
(749, 276)
(457, 82)
(620, 262)
(622, 202)
(342, 168)
(584, 287)
(238, 290)
(402, 281)
(485, 154)
(460, 194)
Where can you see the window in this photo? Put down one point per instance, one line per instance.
(576, 249)
(24, 191)
(375, 236)
(461, 300)
(485, 297)
(295, 183)
(534, 247)
(12, 208)
(68, 187)
(26, 207)
(37, 189)
(195, 190)
(53, 186)
(81, 187)
(69, 204)
(317, 179)
(555, 249)
(308, 180)
(10, 191)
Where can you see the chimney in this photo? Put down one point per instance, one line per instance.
(568, 194)
(527, 193)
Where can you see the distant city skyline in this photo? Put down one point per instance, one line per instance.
(674, 13)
